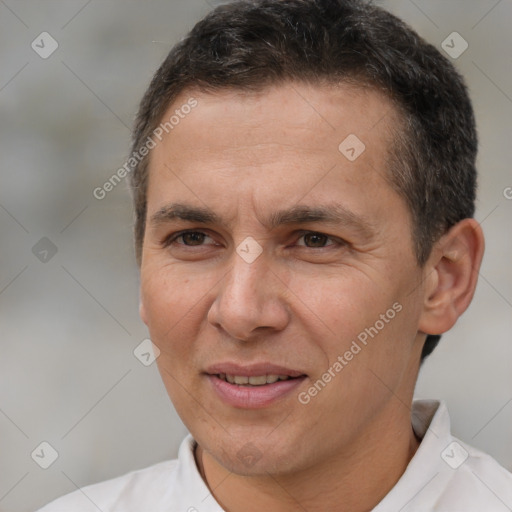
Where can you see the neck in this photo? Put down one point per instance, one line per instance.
(356, 480)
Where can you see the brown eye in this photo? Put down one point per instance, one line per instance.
(193, 238)
(315, 240)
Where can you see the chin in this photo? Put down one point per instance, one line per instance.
(255, 455)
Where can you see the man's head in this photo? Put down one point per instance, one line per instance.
(254, 44)
(308, 218)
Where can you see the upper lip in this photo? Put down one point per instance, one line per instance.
(251, 370)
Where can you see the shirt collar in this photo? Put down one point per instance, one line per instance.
(431, 422)
(192, 493)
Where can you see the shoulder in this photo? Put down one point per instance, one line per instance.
(107, 495)
(446, 474)
(170, 486)
(474, 480)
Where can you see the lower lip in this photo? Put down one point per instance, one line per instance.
(253, 397)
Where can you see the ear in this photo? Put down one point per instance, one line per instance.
(451, 275)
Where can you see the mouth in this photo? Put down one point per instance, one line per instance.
(256, 380)
(253, 386)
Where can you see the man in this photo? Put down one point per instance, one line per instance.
(304, 183)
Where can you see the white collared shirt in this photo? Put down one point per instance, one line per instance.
(445, 475)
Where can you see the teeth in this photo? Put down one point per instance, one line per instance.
(258, 380)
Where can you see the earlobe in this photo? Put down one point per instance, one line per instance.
(452, 275)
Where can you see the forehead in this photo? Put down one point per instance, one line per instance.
(283, 138)
(277, 113)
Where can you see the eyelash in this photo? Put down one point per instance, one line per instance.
(171, 239)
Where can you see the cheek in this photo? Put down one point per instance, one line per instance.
(167, 293)
(171, 304)
(368, 322)
(340, 304)
(173, 310)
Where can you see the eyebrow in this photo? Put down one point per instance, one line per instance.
(183, 212)
(334, 214)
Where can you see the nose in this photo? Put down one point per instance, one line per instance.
(250, 301)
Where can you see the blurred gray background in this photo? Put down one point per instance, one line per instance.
(68, 280)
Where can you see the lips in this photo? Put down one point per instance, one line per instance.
(252, 386)
(256, 380)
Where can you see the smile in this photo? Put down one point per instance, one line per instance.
(255, 391)
(257, 380)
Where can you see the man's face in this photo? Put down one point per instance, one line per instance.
(268, 252)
